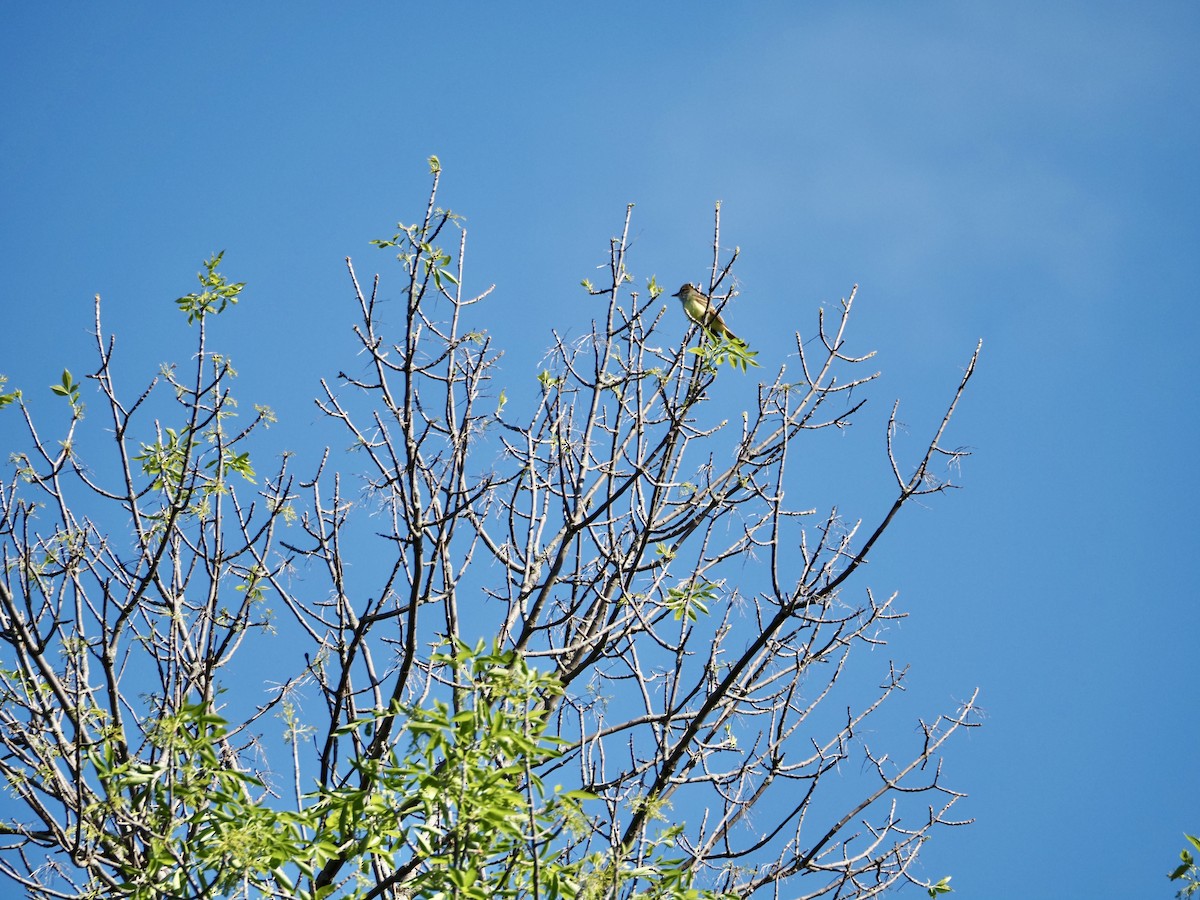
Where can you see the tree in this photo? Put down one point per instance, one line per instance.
(584, 652)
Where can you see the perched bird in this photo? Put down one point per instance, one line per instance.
(698, 308)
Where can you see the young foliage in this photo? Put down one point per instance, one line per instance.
(716, 351)
(8, 398)
(218, 292)
(1187, 871)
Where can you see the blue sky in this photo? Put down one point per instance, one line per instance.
(1022, 172)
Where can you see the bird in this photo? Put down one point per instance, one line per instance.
(698, 308)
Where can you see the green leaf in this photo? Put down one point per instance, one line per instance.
(68, 388)
(6, 399)
(942, 887)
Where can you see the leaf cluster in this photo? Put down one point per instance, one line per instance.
(1187, 870)
(218, 292)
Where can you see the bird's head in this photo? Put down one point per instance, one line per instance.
(683, 291)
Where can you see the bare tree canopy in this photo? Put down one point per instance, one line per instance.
(586, 649)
